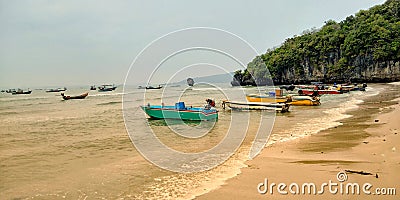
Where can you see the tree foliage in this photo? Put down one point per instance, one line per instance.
(336, 51)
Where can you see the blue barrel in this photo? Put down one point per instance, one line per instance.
(180, 106)
(271, 94)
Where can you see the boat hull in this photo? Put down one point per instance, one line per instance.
(106, 88)
(319, 92)
(82, 96)
(305, 101)
(266, 99)
(169, 112)
(278, 107)
(22, 92)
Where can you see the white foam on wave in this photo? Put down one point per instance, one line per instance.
(188, 186)
(370, 91)
(329, 119)
(394, 83)
(106, 94)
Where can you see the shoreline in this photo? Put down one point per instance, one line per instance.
(368, 142)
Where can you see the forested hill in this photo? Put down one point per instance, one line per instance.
(362, 48)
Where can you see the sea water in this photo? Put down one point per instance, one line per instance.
(79, 149)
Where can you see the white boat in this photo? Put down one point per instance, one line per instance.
(237, 105)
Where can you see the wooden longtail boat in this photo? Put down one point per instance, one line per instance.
(57, 90)
(180, 111)
(236, 105)
(153, 88)
(82, 96)
(19, 91)
(304, 101)
(319, 92)
(107, 88)
(266, 99)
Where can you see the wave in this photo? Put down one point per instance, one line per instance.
(109, 103)
(107, 94)
(329, 119)
(394, 83)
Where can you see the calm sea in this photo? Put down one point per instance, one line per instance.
(81, 149)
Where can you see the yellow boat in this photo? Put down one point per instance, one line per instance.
(266, 99)
(277, 97)
(272, 97)
(298, 100)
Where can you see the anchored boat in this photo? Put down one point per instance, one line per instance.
(107, 88)
(57, 90)
(272, 97)
(82, 96)
(20, 91)
(180, 111)
(318, 92)
(298, 100)
(266, 99)
(237, 105)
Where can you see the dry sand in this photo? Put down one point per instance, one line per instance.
(369, 142)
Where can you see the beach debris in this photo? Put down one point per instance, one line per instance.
(365, 142)
(384, 140)
(377, 120)
(394, 149)
(358, 172)
(376, 175)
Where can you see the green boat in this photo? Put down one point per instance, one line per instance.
(180, 111)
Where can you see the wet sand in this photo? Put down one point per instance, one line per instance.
(369, 141)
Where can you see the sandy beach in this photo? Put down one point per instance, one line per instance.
(367, 142)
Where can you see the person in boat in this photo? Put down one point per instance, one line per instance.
(289, 99)
(315, 94)
(210, 102)
(364, 85)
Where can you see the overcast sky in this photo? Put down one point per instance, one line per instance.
(61, 43)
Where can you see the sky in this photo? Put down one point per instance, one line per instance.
(82, 42)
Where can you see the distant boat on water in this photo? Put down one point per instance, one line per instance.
(153, 88)
(57, 90)
(107, 88)
(20, 91)
(150, 87)
(190, 81)
(11, 90)
(82, 96)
